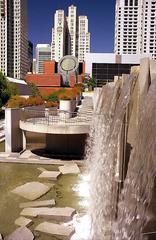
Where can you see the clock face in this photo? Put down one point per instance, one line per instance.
(68, 64)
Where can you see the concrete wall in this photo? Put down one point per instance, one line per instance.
(13, 134)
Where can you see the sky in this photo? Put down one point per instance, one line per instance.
(101, 15)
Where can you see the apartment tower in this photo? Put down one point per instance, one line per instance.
(70, 35)
(13, 38)
(135, 27)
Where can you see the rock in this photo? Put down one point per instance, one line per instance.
(58, 214)
(31, 190)
(41, 169)
(52, 175)
(23, 222)
(46, 203)
(69, 169)
(21, 233)
(56, 230)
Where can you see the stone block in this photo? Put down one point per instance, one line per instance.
(31, 190)
(69, 169)
(21, 233)
(23, 222)
(57, 214)
(52, 175)
(46, 203)
(55, 230)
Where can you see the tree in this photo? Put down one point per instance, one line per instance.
(7, 90)
(89, 82)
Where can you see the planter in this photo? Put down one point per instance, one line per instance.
(67, 107)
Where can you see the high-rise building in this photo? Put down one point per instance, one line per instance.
(30, 56)
(70, 35)
(43, 53)
(13, 38)
(135, 27)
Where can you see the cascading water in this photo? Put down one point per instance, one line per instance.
(102, 156)
(121, 211)
(137, 191)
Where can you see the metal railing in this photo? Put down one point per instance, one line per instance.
(51, 117)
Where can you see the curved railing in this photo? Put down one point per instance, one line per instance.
(51, 117)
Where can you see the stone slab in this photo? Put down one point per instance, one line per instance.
(41, 169)
(56, 230)
(58, 214)
(31, 190)
(46, 203)
(23, 222)
(52, 175)
(69, 169)
(21, 233)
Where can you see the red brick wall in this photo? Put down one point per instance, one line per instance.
(84, 68)
(44, 79)
(49, 67)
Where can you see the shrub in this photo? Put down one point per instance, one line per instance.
(50, 104)
(18, 102)
(34, 89)
(68, 94)
(7, 90)
(54, 97)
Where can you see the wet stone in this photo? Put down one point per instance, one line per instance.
(56, 230)
(69, 169)
(46, 203)
(31, 190)
(21, 233)
(52, 175)
(57, 214)
(23, 222)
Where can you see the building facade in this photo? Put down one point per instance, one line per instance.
(70, 35)
(103, 67)
(135, 27)
(13, 38)
(43, 53)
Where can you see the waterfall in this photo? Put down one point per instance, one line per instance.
(119, 206)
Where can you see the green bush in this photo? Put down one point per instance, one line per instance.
(54, 97)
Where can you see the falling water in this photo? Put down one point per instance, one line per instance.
(136, 194)
(102, 155)
(128, 219)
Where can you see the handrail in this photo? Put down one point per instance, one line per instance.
(51, 117)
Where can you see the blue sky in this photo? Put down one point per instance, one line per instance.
(100, 14)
